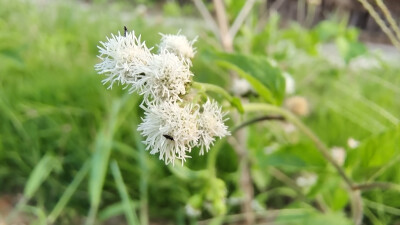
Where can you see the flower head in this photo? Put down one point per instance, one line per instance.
(211, 125)
(179, 45)
(123, 58)
(171, 124)
(164, 79)
(170, 130)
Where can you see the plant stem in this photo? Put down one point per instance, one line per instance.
(357, 207)
(389, 17)
(380, 22)
(262, 118)
(212, 88)
(222, 20)
(257, 107)
(375, 185)
(356, 203)
(244, 12)
(207, 17)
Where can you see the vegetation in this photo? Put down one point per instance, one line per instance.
(71, 149)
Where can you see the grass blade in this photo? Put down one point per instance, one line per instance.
(100, 160)
(68, 193)
(128, 208)
(39, 174)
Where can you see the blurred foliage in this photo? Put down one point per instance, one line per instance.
(60, 128)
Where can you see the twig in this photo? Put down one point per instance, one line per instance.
(380, 22)
(222, 20)
(207, 17)
(389, 17)
(357, 207)
(376, 185)
(255, 120)
(262, 19)
(239, 143)
(287, 180)
(244, 12)
(276, 5)
(300, 11)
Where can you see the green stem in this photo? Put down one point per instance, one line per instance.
(259, 119)
(258, 107)
(212, 88)
(376, 185)
(212, 158)
(144, 174)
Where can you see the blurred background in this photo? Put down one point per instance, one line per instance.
(70, 152)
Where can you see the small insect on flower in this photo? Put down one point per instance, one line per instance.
(125, 31)
(124, 57)
(168, 137)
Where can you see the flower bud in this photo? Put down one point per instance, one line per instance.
(298, 105)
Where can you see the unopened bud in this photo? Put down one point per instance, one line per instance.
(297, 105)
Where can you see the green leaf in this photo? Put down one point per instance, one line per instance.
(40, 173)
(349, 49)
(237, 104)
(294, 217)
(374, 153)
(293, 157)
(266, 79)
(114, 210)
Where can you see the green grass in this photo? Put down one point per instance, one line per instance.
(70, 146)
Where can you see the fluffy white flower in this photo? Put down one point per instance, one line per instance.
(179, 45)
(123, 58)
(211, 125)
(170, 130)
(164, 79)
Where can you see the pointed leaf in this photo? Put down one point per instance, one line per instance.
(265, 78)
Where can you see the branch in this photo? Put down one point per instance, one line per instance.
(223, 25)
(255, 120)
(276, 5)
(357, 207)
(380, 22)
(244, 12)
(376, 185)
(207, 17)
(389, 17)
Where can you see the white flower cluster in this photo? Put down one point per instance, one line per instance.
(172, 126)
